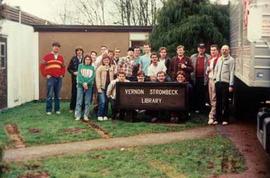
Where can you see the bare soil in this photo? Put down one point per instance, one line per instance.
(103, 133)
(74, 130)
(243, 135)
(35, 175)
(14, 135)
(34, 130)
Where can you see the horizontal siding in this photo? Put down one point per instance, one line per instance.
(13, 14)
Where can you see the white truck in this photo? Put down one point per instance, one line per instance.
(250, 46)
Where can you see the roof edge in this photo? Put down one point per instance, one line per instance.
(17, 15)
(91, 28)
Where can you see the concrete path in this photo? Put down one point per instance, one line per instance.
(38, 152)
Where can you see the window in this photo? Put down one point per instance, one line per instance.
(137, 43)
(138, 39)
(3, 55)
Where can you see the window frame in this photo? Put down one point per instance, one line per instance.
(4, 43)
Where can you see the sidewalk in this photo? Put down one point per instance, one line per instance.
(38, 152)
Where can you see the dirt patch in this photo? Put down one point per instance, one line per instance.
(33, 172)
(74, 130)
(210, 165)
(243, 135)
(14, 135)
(228, 165)
(32, 166)
(168, 124)
(35, 175)
(103, 133)
(34, 130)
(96, 157)
(166, 169)
(3, 168)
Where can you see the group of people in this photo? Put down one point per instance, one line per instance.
(94, 77)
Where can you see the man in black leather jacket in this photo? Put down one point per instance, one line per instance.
(73, 70)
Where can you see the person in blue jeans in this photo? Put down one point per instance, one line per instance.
(104, 75)
(54, 85)
(85, 82)
(53, 68)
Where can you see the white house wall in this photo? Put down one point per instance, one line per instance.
(22, 63)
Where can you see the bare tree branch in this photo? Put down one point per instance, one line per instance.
(125, 12)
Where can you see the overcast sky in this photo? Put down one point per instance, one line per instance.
(39, 8)
(49, 9)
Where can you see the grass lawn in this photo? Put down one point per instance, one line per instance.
(37, 128)
(191, 158)
(118, 128)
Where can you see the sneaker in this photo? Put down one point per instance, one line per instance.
(77, 118)
(215, 122)
(71, 111)
(225, 123)
(197, 111)
(154, 119)
(210, 121)
(207, 104)
(141, 111)
(105, 118)
(58, 112)
(172, 119)
(100, 118)
(85, 118)
(49, 113)
(116, 116)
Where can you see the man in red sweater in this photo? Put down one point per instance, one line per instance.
(53, 68)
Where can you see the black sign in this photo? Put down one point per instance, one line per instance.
(151, 96)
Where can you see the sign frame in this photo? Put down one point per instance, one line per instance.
(151, 85)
